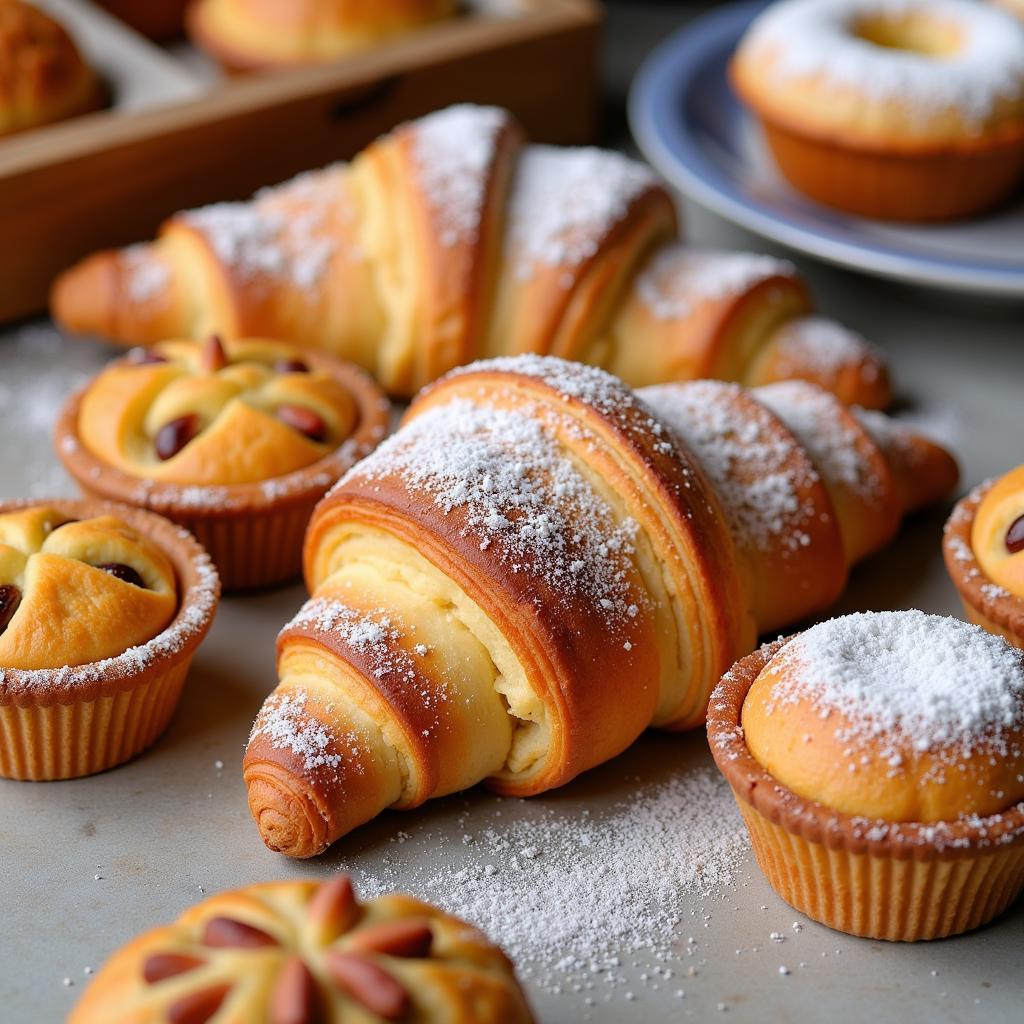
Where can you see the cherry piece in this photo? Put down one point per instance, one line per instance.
(370, 986)
(1015, 536)
(144, 357)
(296, 998)
(123, 572)
(214, 357)
(290, 366)
(396, 938)
(10, 598)
(304, 420)
(227, 933)
(197, 1007)
(174, 435)
(161, 966)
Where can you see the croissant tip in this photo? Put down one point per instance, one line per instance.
(285, 817)
(80, 296)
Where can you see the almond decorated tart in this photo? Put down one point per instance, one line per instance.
(235, 440)
(984, 551)
(101, 609)
(878, 761)
(307, 953)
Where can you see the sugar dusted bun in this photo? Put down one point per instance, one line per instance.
(878, 760)
(903, 109)
(43, 77)
(898, 716)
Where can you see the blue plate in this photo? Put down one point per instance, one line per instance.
(691, 126)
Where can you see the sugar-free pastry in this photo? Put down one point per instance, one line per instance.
(307, 953)
(449, 240)
(248, 34)
(984, 551)
(878, 761)
(899, 109)
(101, 609)
(236, 440)
(43, 77)
(541, 564)
(158, 19)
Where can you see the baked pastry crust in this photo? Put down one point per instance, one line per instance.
(43, 77)
(252, 529)
(985, 602)
(914, 112)
(827, 864)
(158, 19)
(306, 952)
(246, 35)
(75, 720)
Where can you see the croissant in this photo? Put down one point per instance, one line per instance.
(449, 240)
(542, 563)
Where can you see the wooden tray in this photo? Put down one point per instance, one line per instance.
(111, 178)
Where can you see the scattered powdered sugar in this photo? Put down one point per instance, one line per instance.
(819, 421)
(679, 280)
(747, 456)
(929, 681)
(454, 151)
(811, 38)
(565, 201)
(148, 275)
(823, 347)
(518, 491)
(286, 721)
(569, 894)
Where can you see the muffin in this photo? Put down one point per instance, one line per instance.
(101, 609)
(878, 761)
(907, 111)
(307, 953)
(984, 551)
(43, 76)
(235, 440)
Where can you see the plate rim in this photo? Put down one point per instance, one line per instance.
(667, 65)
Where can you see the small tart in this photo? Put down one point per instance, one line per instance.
(878, 761)
(43, 77)
(236, 440)
(307, 953)
(101, 609)
(984, 551)
(900, 109)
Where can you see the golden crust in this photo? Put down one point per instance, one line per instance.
(246, 35)
(986, 602)
(43, 77)
(252, 529)
(137, 687)
(302, 952)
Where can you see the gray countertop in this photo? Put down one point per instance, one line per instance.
(173, 825)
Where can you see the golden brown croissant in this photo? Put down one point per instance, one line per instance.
(541, 564)
(448, 240)
(248, 34)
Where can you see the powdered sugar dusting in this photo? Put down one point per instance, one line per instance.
(747, 456)
(817, 419)
(565, 201)
(148, 276)
(933, 682)
(573, 895)
(517, 491)
(286, 721)
(810, 38)
(454, 151)
(679, 280)
(817, 345)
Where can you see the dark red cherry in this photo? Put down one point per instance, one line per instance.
(214, 357)
(123, 572)
(290, 366)
(1015, 536)
(304, 420)
(173, 436)
(10, 598)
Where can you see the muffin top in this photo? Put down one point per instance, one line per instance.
(216, 413)
(899, 716)
(75, 591)
(997, 535)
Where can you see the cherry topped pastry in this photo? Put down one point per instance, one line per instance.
(213, 429)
